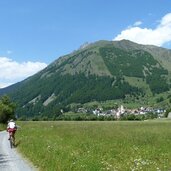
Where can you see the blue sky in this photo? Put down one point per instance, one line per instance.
(34, 33)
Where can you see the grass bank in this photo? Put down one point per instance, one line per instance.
(95, 146)
(2, 127)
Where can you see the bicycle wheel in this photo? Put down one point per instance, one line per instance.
(11, 142)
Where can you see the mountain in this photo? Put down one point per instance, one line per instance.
(100, 71)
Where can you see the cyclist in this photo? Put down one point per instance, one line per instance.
(11, 128)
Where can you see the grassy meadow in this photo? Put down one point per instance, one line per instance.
(97, 146)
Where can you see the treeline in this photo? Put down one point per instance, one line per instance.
(92, 117)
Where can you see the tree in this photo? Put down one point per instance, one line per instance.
(7, 109)
(167, 112)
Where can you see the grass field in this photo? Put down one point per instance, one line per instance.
(97, 146)
(2, 127)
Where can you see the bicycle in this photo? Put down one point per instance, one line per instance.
(12, 140)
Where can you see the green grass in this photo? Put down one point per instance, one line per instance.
(138, 82)
(2, 127)
(95, 146)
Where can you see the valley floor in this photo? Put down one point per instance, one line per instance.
(94, 146)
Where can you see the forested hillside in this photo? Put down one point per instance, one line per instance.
(101, 71)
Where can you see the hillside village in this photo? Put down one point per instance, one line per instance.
(121, 111)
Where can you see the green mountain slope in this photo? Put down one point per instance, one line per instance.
(104, 70)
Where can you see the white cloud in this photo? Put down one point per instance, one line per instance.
(12, 71)
(157, 36)
(137, 23)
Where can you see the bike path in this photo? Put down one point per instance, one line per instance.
(10, 159)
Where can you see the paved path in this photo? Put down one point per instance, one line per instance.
(10, 160)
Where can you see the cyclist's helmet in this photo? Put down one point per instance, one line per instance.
(11, 120)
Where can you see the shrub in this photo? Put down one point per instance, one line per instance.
(7, 109)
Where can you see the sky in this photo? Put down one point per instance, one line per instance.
(34, 33)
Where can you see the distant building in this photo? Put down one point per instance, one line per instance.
(120, 111)
(97, 111)
(82, 110)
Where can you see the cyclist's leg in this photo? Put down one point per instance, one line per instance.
(8, 136)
